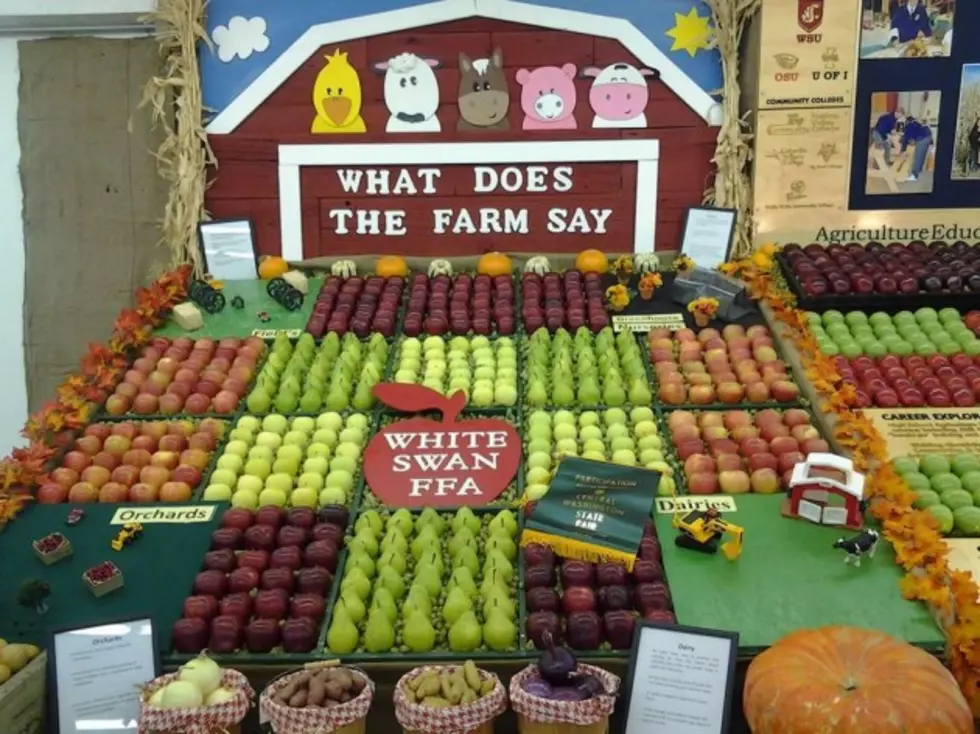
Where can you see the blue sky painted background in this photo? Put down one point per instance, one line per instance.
(286, 20)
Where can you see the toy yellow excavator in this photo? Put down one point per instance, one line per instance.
(703, 532)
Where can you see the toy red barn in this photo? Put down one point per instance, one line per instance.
(826, 490)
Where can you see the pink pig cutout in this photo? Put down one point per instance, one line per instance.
(548, 97)
(619, 95)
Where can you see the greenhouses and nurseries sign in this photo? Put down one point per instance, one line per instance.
(423, 462)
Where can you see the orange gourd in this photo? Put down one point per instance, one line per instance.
(494, 263)
(272, 267)
(848, 680)
(592, 261)
(389, 266)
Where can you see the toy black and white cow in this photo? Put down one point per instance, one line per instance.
(864, 543)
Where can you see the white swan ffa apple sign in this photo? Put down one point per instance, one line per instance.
(439, 463)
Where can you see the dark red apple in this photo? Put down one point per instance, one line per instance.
(237, 517)
(236, 605)
(583, 630)
(220, 560)
(578, 599)
(277, 578)
(577, 573)
(226, 538)
(243, 580)
(190, 635)
(647, 571)
(539, 576)
(299, 634)
(288, 556)
(541, 599)
(257, 559)
(328, 531)
(307, 605)
(610, 574)
(270, 515)
(301, 517)
(211, 583)
(262, 635)
(651, 596)
(650, 549)
(271, 604)
(201, 605)
(619, 625)
(227, 633)
(260, 537)
(538, 623)
(293, 535)
(537, 554)
(315, 580)
(321, 553)
(614, 597)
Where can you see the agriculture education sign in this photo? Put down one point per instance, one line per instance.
(421, 462)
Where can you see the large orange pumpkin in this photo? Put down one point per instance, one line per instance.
(847, 680)
(494, 263)
(592, 261)
(272, 267)
(389, 266)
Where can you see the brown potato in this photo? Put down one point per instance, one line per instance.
(298, 700)
(317, 692)
(334, 690)
(356, 685)
(343, 678)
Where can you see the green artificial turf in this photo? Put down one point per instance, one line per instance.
(788, 577)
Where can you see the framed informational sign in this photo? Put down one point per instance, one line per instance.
(228, 249)
(680, 680)
(96, 673)
(708, 236)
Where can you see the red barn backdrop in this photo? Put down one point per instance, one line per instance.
(246, 181)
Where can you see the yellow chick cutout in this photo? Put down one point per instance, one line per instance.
(337, 97)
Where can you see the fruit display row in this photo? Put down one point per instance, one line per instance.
(563, 301)
(337, 375)
(460, 305)
(485, 370)
(733, 366)
(418, 583)
(187, 376)
(893, 270)
(739, 451)
(946, 486)
(914, 381)
(265, 582)
(290, 462)
(359, 305)
(925, 332)
(629, 439)
(593, 606)
(149, 461)
(586, 369)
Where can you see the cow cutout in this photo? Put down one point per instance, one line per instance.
(411, 93)
(483, 97)
(337, 97)
(548, 97)
(619, 95)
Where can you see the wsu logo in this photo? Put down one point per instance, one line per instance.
(809, 14)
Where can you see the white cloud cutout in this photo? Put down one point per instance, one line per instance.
(240, 38)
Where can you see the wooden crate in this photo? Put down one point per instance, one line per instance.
(22, 699)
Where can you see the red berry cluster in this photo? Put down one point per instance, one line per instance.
(102, 573)
(50, 543)
(913, 381)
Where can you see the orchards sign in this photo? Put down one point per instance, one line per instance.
(422, 462)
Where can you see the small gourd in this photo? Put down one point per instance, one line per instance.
(272, 267)
(440, 267)
(646, 262)
(344, 268)
(538, 264)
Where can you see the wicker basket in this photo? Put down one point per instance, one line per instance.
(540, 716)
(474, 718)
(486, 728)
(216, 719)
(347, 718)
(526, 726)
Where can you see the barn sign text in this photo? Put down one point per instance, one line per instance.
(483, 181)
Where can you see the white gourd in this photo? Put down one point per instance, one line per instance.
(344, 268)
(538, 264)
(646, 262)
(440, 267)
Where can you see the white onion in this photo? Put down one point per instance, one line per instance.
(220, 695)
(181, 695)
(203, 672)
(156, 698)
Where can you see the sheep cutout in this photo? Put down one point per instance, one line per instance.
(411, 93)
(483, 96)
(619, 95)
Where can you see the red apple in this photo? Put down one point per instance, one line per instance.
(578, 599)
(314, 580)
(236, 605)
(243, 580)
(227, 633)
(262, 635)
(222, 560)
(211, 583)
(201, 605)
(189, 635)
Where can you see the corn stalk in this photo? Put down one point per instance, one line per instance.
(176, 106)
(732, 187)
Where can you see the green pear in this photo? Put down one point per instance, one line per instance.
(430, 579)
(418, 633)
(588, 392)
(503, 543)
(462, 578)
(497, 561)
(417, 599)
(384, 601)
(392, 559)
(360, 559)
(465, 634)
(461, 538)
(364, 541)
(402, 519)
(426, 540)
(467, 559)
(563, 394)
(379, 633)
(392, 580)
(433, 559)
(342, 636)
(499, 601)
(537, 394)
(499, 632)
(357, 581)
(370, 520)
(457, 602)
(492, 579)
(504, 521)
(353, 605)
(394, 540)
(464, 517)
(429, 516)
(640, 394)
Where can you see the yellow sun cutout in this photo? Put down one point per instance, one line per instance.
(691, 32)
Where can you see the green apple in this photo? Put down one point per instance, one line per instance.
(270, 439)
(340, 479)
(640, 415)
(260, 452)
(288, 466)
(296, 438)
(594, 455)
(591, 432)
(650, 441)
(272, 497)
(330, 420)
(237, 448)
(281, 482)
(249, 423)
(621, 443)
(624, 457)
(217, 493)
(311, 480)
(260, 468)
(567, 446)
(538, 445)
(565, 430)
(344, 463)
(247, 498)
(352, 435)
(349, 450)
(231, 462)
(357, 420)
(316, 464)
(614, 416)
(290, 451)
(650, 455)
(275, 423)
(325, 436)
(538, 475)
(504, 394)
(539, 418)
(594, 445)
(224, 476)
(534, 492)
(333, 496)
(406, 377)
(303, 497)
(540, 459)
(540, 431)
(318, 451)
(303, 423)
(242, 434)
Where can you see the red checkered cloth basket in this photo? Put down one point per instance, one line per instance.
(315, 720)
(455, 720)
(582, 713)
(198, 720)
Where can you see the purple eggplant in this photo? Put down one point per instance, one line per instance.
(555, 663)
(566, 693)
(537, 687)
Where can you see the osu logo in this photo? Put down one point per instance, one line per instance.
(809, 14)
